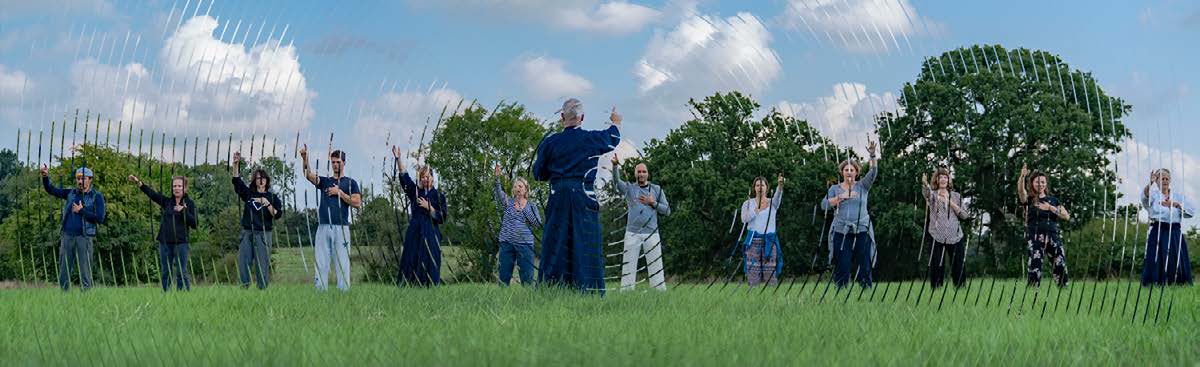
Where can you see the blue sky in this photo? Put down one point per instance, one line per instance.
(373, 69)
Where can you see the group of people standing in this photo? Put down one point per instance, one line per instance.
(572, 253)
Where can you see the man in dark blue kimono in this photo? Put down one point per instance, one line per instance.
(571, 244)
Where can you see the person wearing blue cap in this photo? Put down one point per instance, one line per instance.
(571, 253)
(82, 211)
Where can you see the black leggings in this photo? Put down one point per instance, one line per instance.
(937, 265)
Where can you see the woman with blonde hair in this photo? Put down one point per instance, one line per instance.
(944, 208)
(1166, 258)
(518, 217)
(421, 259)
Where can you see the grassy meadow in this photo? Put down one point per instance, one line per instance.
(691, 324)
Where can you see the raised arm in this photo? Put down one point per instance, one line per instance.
(925, 190)
(618, 180)
(1022, 196)
(153, 195)
(869, 178)
(778, 198)
(309, 174)
(52, 190)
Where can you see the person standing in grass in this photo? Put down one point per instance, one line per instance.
(852, 242)
(178, 215)
(82, 211)
(944, 232)
(1042, 214)
(762, 254)
(260, 209)
(644, 201)
(421, 259)
(332, 242)
(571, 253)
(1166, 256)
(517, 220)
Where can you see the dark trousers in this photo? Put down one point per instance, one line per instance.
(1166, 258)
(75, 251)
(173, 258)
(571, 254)
(254, 250)
(852, 249)
(937, 265)
(523, 254)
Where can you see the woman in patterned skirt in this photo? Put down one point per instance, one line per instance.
(761, 247)
(1042, 214)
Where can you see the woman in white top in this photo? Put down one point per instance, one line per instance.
(761, 247)
(1166, 260)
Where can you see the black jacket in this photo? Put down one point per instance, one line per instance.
(173, 229)
(254, 217)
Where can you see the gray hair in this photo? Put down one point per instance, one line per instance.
(572, 111)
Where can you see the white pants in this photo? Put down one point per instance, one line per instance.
(332, 241)
(648, 246)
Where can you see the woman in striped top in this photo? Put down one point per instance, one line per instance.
(944, 210)
(517, 219)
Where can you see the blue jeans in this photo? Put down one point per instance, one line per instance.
(852, 249)
(254, 251)
(523, 253)
(173, 258)
(75, 250)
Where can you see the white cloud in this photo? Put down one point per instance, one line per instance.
(13, 83)
(547, 78)
(864, 26)
(846, 116)
(612, 18)
(700, 56)
(396, 117)
(203, 84)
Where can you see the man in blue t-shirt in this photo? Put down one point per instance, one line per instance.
(571, 253)
(338, 195)
(82, 211)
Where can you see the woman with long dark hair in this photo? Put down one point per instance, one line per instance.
(762, 261)
(1042, 214)
(178, 215)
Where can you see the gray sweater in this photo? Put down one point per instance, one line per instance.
(642, 219)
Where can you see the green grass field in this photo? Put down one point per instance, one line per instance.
(477, 324)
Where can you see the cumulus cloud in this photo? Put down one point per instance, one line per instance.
(547, 78)
(204, 84)
(864, 26)
(701, 55)
(13, 83)
(612, 18)
(846, 115)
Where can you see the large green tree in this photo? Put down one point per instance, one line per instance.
(984, 111)
(706, 167)
(463, 152)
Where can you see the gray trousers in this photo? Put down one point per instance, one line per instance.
(75, 251)
(254, 251)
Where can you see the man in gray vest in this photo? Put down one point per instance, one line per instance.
(645, 202)
(83, 209)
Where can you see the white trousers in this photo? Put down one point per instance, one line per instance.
(332, 242)
(648, 246)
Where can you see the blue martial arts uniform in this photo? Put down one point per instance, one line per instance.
(571, 243)
(421, 261)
